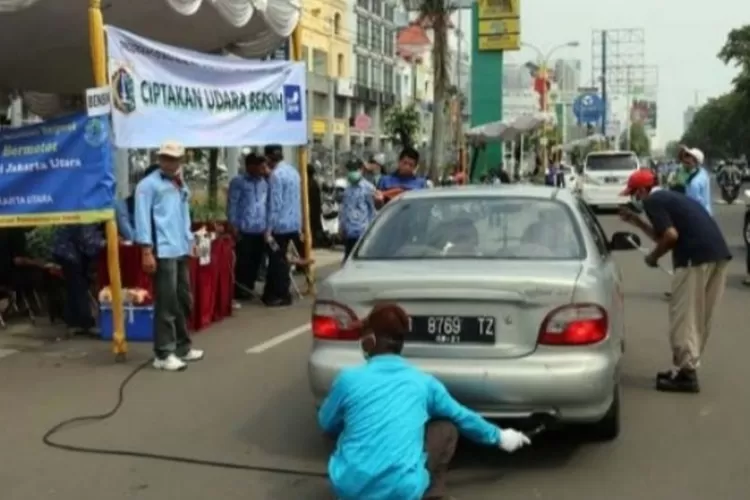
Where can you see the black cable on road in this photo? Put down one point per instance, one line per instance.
(47, 440)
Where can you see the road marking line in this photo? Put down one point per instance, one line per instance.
(279, 339)
(4, 353)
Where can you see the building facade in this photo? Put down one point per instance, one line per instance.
(687, 117)
(327, 50)
(375, 70)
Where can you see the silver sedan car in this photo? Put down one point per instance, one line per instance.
(515, 300)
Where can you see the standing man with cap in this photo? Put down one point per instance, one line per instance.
(701, 257)
(163, 230)
(698, 182)
(284, 225)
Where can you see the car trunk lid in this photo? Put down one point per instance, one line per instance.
(464, 308)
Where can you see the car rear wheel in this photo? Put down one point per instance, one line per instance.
(608, 428)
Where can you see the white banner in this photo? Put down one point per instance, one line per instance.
(162, 93)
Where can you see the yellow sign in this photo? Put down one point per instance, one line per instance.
(509, 41)
(57, 218)
(498, 9)
(339, 127)
(499, 27)
(319, 126)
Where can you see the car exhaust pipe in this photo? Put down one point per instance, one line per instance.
(540, 423)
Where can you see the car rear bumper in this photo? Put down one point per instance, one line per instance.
(603, 196)
(571, 387)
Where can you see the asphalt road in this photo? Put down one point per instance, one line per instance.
(254, 408)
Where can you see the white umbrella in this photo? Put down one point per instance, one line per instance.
(44, 44)
(501, 131)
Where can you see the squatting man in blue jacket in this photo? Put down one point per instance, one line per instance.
(397, 427)
(163, 230)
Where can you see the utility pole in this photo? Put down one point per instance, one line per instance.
(604, 82)
(628, 110)
(459, 60)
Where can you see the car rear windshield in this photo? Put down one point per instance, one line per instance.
(625, 161)
(473, 228)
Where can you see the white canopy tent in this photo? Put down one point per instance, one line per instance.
(584, 142)
(502, 131)
(44, 44)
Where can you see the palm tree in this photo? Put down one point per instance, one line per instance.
(435, 15)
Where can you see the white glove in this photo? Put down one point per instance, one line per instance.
(511, 440)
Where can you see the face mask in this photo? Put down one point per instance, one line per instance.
(354, 177)
(368, 339)
(637, 204)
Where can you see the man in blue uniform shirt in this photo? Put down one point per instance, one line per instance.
(75, 249)
(247, 213)
(397, 427)
(284, 225)
(404, 178)
(357, 207)
(698, 182)
(162, 229)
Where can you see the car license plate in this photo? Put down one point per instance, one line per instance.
(611, 180)
(452, 329)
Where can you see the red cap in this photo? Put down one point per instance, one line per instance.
(641, 178)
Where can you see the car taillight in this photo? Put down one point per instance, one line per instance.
(334, 321)
(574, 324)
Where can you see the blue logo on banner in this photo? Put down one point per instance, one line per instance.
(588, 108)
(293, 103)
(57, 172)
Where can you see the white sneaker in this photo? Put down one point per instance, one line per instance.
(193, 355)
(170, 364)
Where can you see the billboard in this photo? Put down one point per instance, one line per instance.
(644, 112)
(499, 26)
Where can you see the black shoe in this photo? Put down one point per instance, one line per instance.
(278, 302)
(682, 380)
(667, 295)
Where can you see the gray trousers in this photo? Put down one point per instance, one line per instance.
(172, 305)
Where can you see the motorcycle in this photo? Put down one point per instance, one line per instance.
(332, 194)
(730, 192)
(729, 179)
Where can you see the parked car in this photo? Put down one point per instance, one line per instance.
(515, 300)
(604, 176)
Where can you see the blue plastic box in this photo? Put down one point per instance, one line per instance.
(139, 323)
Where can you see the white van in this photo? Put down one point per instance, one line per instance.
(605, 175)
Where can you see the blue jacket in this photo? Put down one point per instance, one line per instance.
(247, 204)
(699, 189)
(285, 203)
(394, 181)
(162, 213)
(76, 242)
(357, 209)
(125, 220)
(379, 411)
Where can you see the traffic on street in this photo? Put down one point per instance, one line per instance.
(249, 402)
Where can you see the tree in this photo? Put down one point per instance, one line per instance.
(435, 15)
(403, 119)
(720, 128)
(638, 142)
(671, 149)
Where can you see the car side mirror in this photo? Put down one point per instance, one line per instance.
(624, 240)
(579, 170)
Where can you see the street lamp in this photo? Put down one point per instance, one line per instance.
(542, 75)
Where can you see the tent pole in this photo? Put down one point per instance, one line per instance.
(302, 164)
(99, 67)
